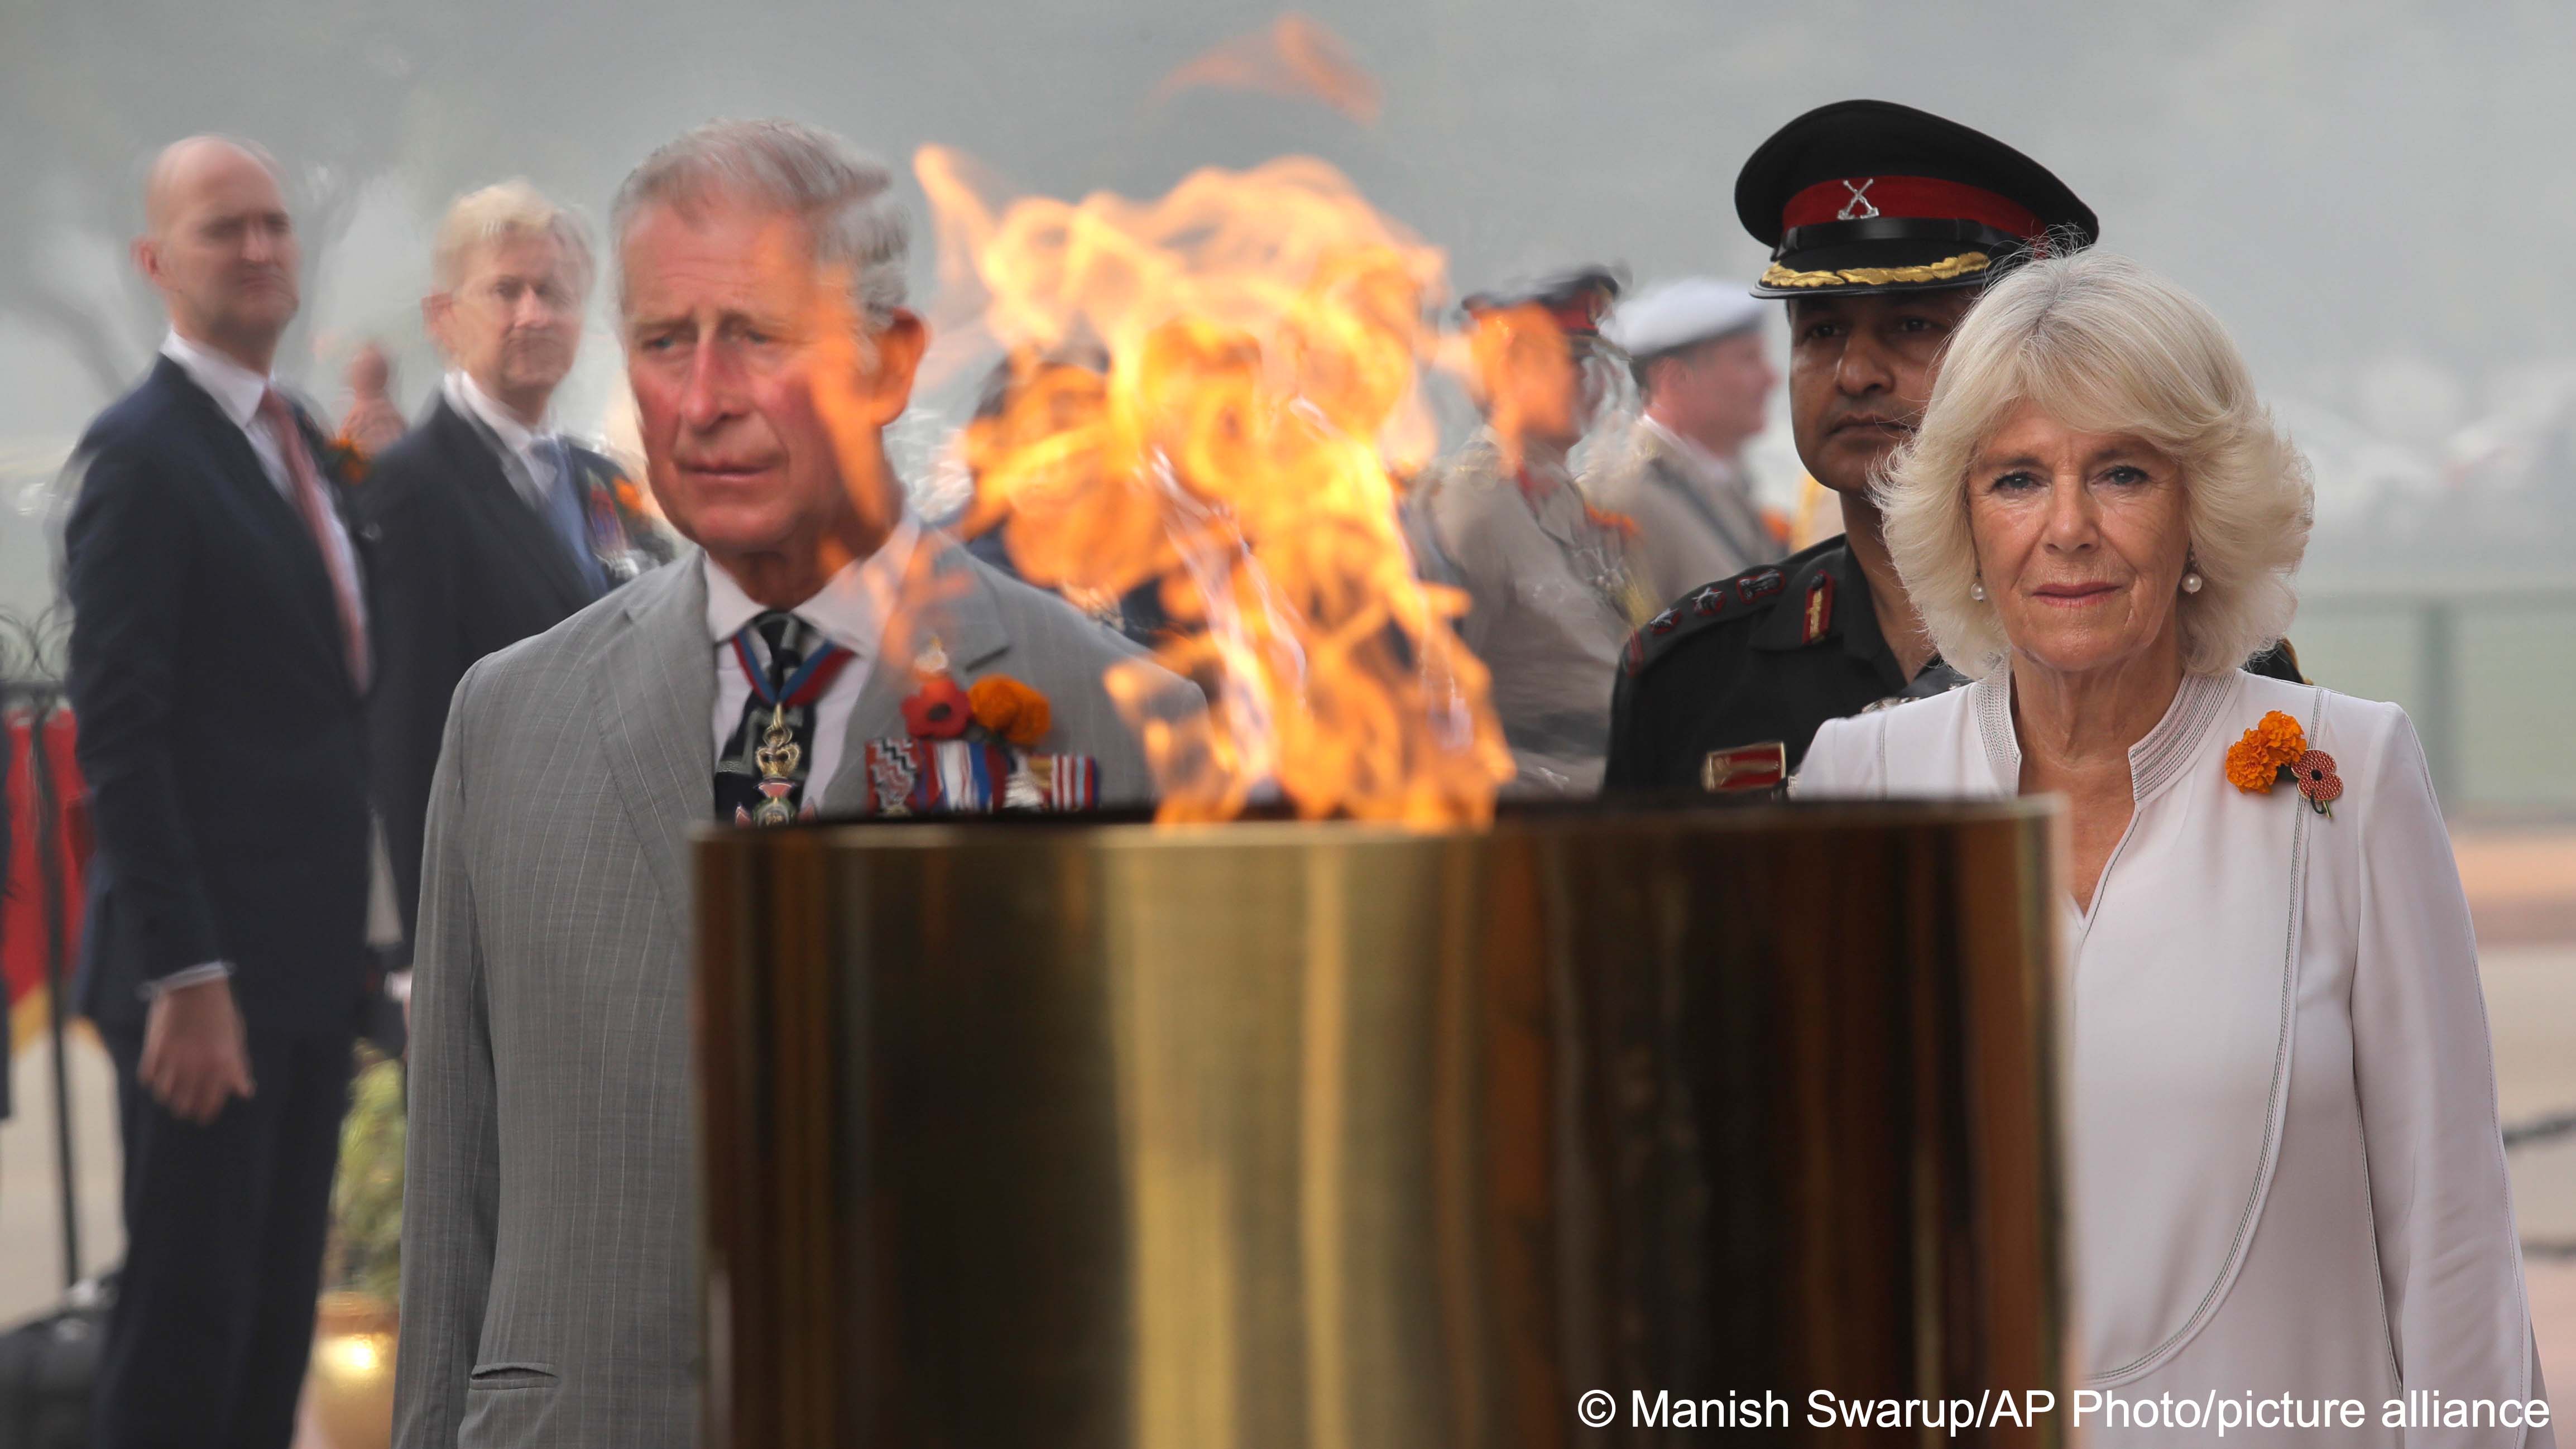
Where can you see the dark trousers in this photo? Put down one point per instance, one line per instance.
(224, 1223)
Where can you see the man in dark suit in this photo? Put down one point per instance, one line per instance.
(485, 525)
(219, 667)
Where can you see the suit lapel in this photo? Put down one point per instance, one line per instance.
(944, 598)
(522, 529)
(269, 515)
(657, 698)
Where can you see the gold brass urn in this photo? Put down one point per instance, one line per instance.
(1106, 1136)
(351, 1380)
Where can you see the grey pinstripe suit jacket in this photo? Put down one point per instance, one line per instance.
(549, 1286)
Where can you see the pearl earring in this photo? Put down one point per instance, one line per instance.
(2191, 582)
(1977, 591)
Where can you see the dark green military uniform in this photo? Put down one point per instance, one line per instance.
(1762, 658)
(1742, 672)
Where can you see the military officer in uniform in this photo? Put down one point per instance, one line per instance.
(1550, 595)
(1883, 222)
(1704, 378)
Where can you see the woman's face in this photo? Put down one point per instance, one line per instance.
(2081, 541)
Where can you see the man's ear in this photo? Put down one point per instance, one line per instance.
(434, 312)
(147, 259)
(898, 358)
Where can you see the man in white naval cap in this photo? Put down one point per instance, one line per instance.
(1695, 346)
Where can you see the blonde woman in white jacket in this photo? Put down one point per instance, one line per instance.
(2288, 1182)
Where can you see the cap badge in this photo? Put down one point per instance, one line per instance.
(1860, 207)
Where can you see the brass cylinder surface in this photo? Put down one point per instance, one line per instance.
(1269, 1135)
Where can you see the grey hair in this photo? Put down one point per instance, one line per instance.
(498, 213)
(2101, 344)
(844, 196)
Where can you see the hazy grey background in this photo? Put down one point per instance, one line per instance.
(2374, 194)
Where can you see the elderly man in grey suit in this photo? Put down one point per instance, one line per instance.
(550, 1286)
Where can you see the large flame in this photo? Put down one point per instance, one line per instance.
(1216, 392)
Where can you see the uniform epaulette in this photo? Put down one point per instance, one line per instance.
(1748, 595)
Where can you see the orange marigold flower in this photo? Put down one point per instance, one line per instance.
(349, 458)
(2250, 766)
(2282, 739)
(1609, 522)
(1011, 709)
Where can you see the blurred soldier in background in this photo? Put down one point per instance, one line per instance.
(1026, 398)
(1695, 347)
(1550, 594)
(372, 423)
(487, 525)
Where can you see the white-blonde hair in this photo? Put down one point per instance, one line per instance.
(507, 211)
(2101, 344)
(844, 196)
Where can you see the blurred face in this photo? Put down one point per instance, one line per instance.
(221, 249)
(513, 322)
(2081, 542)
(1717, 393)
(1537, 387)
(761, 413)
(1860, 373)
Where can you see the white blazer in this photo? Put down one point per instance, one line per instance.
(2287, 1172)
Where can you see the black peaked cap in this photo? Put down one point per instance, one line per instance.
(1874, 150)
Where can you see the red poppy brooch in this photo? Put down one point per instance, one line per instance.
(2276, 749)
(968, 751)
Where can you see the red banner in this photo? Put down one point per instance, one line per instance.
(24, 937)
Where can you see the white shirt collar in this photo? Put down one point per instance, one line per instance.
(851, 608)
(235, 388)
(516, 436)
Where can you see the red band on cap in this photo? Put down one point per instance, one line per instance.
(1907, 198)
(1581, 317)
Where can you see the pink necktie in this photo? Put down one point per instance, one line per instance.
(316, 508)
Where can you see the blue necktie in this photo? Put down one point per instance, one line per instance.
(566, 510)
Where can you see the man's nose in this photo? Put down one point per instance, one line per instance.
(1864, 366)
(713, 390)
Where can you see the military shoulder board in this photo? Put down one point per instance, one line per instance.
(1726, 598)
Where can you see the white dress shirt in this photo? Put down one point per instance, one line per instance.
(531, 448)
(850, 609)
(237, 392)
(2287, 1176)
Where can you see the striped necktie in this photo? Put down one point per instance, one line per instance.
(760, 777)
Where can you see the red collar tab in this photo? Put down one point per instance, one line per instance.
(1820, 609)
(1907, 198)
